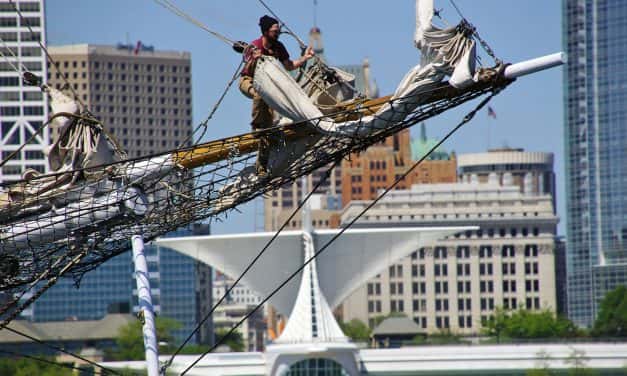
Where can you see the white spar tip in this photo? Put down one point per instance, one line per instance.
(535, 65)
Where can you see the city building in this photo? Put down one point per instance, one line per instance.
(595, 153)
(23, 109)
(457, 284)
(143, 98)
(366, 173)
(253, 329)
(141, 95)
(532, 172)
(180, 289)
(238, 295)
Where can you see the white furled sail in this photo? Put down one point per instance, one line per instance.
(444, 52)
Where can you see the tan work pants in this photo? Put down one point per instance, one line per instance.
(262, 117)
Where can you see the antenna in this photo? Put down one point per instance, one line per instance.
(315, 13)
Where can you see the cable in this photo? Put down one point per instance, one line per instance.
(215, 106)
(6, 58)
(43, 360)
(465, 120)
(483, 43)
(25, 22)
(174, 9)
(34, 339)
(254, 260)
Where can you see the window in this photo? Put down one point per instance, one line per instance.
(440, 252)
(485, 251)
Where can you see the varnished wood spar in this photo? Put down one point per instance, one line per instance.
(219, 150)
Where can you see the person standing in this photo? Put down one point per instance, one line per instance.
(267, 44)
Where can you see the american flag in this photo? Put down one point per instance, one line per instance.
(491, 112)
(138, 47)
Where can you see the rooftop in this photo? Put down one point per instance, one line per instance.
(120, 50)
(105, 328)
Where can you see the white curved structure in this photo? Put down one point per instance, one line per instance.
(351, 260)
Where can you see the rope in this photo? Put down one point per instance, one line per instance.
(252, 263)
(475, 33)
(465, 120)
(215, 106)
(174, 9)
(34, 339)
(67, 82)
(6, 58)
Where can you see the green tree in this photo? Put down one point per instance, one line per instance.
(130, 341)
(356, 330)
(234, 341)
(28, 367)
(612, 317)
(529, 324)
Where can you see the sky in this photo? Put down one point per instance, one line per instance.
(529, 112)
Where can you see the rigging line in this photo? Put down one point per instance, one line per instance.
(24, 21)
(174, 9)
(34, 339)
(215, 106)
(292, 33)
(482, 42)
(465, 120)
(254, 260)
(230, 139)
(43, 360)
(6, 58)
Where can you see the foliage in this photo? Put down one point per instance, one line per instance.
(356, 330)
(130, 341)
(234, 341)
(29, 367)
(612, 317)
(527, 324)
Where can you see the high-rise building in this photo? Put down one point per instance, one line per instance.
(143, 97)
(23, 109)
(595, 130)
(457, 283)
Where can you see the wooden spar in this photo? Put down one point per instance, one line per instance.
(218, 150)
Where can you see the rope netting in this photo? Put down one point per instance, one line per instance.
(74, 229)
(70, 221)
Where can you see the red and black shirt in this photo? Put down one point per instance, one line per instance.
(277, 50)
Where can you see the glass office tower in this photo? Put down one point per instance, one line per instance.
(595, 95)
